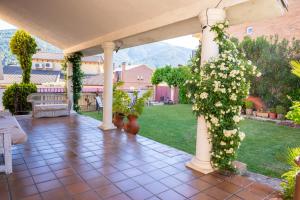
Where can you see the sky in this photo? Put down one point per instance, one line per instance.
(185, 41)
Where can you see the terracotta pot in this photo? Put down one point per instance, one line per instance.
(132, 125)
(118, 120)
(249, 111)
(280, 116)
(254, 113)
(273, 115)
(262, 114)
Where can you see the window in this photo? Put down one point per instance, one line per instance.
(249, 30)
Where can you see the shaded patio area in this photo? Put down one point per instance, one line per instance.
(70, 158)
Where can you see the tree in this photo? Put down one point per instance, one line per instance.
(23, 46)
(272, 58)
(160, 75)
(174, 77)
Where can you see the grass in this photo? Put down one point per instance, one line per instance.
(263, 148)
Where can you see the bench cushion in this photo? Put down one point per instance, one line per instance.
(45, 107)
(18, 136)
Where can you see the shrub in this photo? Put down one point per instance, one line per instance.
(272, 110)
(289, 178)
(249, 104)
(280, 109)
(136, 108)
(15, 97)
(294, 114)
(23, 46)
(121, 99)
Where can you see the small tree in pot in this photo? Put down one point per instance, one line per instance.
(249, 107)
(272, 113)
(135, 110)
(281, 111)
(121, 102)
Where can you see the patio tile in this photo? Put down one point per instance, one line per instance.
(199, 184)
(77, 188)
(49, 185)
(44, 177)
(90, 195)
(24, 191)
(202, 196)
(33, 197)
(108, 191)
(139, 194)
(126, 185)
(217, 193)
(170, 182)
(68, 180)
(186, 190)
(170, 194)
(70, 158)
(229, 187)
(156, 187)
(132, 172)
(59, 193)
(247, 195)
(143, 179)
(64, 172)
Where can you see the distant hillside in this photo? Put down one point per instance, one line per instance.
(156, 54)
(5, 54)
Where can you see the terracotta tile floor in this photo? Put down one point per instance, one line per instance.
(70, 158)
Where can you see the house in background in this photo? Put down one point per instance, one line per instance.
(135, 77)
(53, 62)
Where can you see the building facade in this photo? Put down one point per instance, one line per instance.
(286, 26)
(135, 77)
(53, 62)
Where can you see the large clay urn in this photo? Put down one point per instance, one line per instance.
(118, 120)
(132, 125)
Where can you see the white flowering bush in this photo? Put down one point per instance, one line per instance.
(217, 90)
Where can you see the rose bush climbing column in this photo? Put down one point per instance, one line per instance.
(217, 90)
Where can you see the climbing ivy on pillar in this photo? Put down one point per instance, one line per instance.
(77, 77)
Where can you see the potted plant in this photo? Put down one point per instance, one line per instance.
(262, 113)
(121, 101)
(272, 113)
(135, 110)
(281, 111)
(249, 107)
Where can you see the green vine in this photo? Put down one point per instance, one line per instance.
(217, 90)
(77, 76)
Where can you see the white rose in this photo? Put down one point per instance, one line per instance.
(218, 104)
(236, 119)
(203, 95)
(242, 135)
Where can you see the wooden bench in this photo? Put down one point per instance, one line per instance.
(49, 104)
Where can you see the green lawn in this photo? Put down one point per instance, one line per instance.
(263, 148)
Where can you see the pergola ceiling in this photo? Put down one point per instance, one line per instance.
(82, 25)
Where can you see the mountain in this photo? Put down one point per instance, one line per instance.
(155, 54)
(6, 55)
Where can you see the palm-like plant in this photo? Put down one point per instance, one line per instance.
(289, 177)
(296, 67)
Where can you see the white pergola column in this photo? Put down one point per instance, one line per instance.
(69, 84)
(202, 160)
(108, 48)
